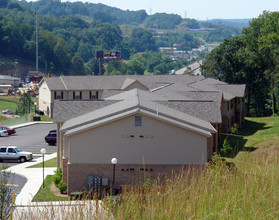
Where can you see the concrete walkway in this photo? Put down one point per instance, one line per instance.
(60, 210)
(26, 209)
(34, 178)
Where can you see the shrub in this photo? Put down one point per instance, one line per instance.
(226, 150)
(62, 187)
(235, 129)
(57, 177)
(147, 183)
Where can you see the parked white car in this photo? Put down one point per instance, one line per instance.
(14, 153)
(3, 133)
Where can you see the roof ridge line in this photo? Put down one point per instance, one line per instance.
(161, 87)
(137, 97)
(64, 83)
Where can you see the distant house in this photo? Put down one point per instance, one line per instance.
(8, 82)
(152, 124)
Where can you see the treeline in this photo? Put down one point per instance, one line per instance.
(99, 12)
(148, 62)
(251, 58)
(68, 40)
(68, 43)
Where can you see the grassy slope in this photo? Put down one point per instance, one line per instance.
(248, 190)
(256, 133)
(8, 102)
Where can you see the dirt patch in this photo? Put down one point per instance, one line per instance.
(56, 191)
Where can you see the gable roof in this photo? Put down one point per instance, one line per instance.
(133, 102)
(128, 82)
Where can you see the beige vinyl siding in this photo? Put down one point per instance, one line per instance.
(155, 142)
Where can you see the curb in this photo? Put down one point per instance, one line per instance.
(31, 123)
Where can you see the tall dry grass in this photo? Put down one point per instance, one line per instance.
(247, 191)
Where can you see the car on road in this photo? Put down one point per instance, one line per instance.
(7, 112)
(51, 137)
(14, 153)
(3, 133)
(8, 129)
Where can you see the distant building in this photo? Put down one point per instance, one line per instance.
(8, 82)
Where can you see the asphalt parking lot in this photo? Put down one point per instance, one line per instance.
(29, 138)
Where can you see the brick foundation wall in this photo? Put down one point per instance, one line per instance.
(124, 174)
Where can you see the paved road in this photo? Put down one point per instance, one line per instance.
(31, 138)
(15, 182)
(28, 138)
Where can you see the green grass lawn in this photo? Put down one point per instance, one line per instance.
(255, 132)
(48, 163)
(8, 102)
(46, 194)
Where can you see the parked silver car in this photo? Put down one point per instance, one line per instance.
(3, 133)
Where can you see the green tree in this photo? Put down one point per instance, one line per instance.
(142, 40)
(77, 66)
(251, 58)
(162, 21)
(4, 3)
(63, 56)
(24, 104)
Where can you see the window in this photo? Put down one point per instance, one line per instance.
(58, 95)
(137, 121)
(11, 150)
(228, 106)
(77, 95)
(3, 150)
(231, 104)
(93, 94)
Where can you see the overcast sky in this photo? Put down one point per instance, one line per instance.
(199, 9)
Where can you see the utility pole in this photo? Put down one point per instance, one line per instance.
(37, 45)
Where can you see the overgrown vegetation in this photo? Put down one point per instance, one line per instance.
(247, 191)
(5, 195)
